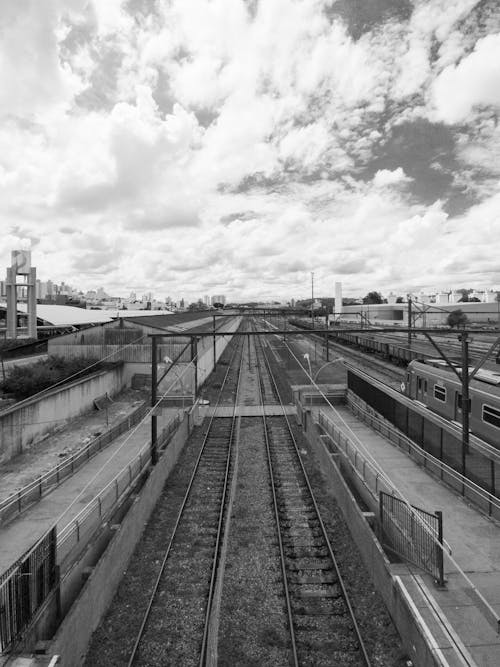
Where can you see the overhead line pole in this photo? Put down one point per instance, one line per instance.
(312, 296)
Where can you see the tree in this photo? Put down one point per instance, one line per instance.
(457, 318)
(399, 299)
(373, 297)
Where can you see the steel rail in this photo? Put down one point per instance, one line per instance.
(220, 526)
(277, 520)
(345, 594)
(152, 597)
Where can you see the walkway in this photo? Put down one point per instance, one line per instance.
(461, 630)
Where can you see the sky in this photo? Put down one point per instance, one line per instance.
(200, 147)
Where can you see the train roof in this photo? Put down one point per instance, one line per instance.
(482, 375)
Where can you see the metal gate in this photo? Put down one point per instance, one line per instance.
(24, 588)
(413, 534)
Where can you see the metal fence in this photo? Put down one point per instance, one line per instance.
(413, 534)
(481, 468)
(45, 483)
(25, 587)
(481, 498)
(91, 517)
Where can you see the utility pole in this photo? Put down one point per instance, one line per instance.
(154, 418)
(465, 399)
(312, 296)
(326, 336)
(409, 320)
(215, 349)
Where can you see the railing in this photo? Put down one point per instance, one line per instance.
(34, 491)
(25, 587)
(474, 492)
(374, 480)
(413, 534)
(102, 506)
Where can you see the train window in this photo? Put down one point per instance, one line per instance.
(425, 386)
(420, 384)
(439, 393)
(491, 415)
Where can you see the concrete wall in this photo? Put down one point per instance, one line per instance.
(23, 424)
(383, 574)
(71, 639)
(185, 373)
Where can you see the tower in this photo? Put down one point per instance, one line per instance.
(21, 275)
(338, 298)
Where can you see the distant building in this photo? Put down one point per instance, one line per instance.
(218, 298)
(442, 298)
(391, 298)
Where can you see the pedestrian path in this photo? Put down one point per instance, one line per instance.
(64, 503)
(461, 629)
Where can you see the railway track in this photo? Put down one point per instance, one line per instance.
(323, 627)
(247, 574)
(174, 627)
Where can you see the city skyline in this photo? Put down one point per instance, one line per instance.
(234, 147)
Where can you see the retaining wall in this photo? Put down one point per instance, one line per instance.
(24, 424)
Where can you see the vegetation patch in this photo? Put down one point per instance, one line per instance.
(25, 381)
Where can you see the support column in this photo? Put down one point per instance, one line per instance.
(11, 303)
(31, 304)
(409, 320)
(154, 418)
(194, 359)
(465, 399)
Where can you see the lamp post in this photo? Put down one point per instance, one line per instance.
(306, 356)
(333, 361)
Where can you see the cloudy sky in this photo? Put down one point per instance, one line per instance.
(192, 147)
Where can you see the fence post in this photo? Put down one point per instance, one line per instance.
(440, 560)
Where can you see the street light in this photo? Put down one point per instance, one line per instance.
(306, 356)
(334, 361)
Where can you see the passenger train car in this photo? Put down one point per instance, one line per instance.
(435, 385)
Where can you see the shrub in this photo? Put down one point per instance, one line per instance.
(25, 381)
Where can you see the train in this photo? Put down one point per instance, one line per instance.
(435, 385)
(397, 352)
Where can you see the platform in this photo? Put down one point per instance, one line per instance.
(248, 411)
(458, 628)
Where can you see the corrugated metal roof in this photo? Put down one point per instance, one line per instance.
(68, 315)
(175, 321)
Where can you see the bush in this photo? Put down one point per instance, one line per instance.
(25, 381)
(457, 318)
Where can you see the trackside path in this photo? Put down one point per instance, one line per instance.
(23, 531)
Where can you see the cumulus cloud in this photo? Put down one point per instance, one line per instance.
(385, 177)
(176, 146)
(472, 83)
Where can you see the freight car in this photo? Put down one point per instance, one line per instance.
(435, 385)
(394, 351)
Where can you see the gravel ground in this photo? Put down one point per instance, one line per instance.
(253, 624)
(382, 639)
(69, 437)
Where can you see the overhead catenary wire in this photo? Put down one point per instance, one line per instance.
(129, 436)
